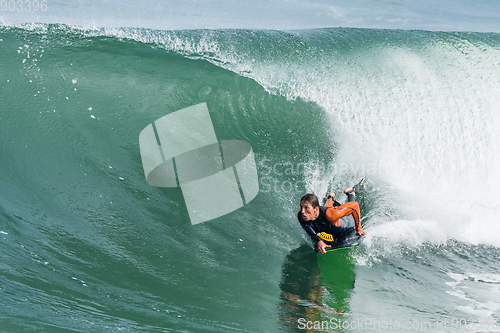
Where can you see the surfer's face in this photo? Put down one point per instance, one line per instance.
(308, 212)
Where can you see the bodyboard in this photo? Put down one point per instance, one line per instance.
(344, 243)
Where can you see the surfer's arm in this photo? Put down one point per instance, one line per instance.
(321, 247)
(318, 243)
(333, 215)
(306, 225)
(311, 233)
(360, 230)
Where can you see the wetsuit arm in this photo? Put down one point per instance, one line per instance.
(306, 225)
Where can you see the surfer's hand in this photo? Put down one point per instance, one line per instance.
(321, 247)
(361, 232)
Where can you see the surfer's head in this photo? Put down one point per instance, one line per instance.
(309, 207)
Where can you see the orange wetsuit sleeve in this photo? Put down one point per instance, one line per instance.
(334, 214)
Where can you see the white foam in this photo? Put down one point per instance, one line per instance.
(412, 233)
(434, 128)
(479, 300)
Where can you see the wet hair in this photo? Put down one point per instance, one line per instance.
(312, 199)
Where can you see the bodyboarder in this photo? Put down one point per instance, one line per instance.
(329, 222)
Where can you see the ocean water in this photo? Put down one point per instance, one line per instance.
(403, 93)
